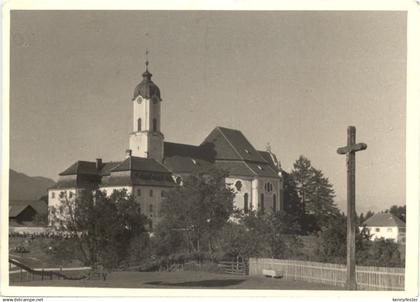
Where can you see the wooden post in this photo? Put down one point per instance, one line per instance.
(350, 150)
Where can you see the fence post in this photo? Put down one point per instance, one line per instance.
(42, 274)
(21, 276)
(61, 272)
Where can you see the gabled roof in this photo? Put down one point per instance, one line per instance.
(81, 167)
(18, 206)
(231, 144)
(384, 220)
(15, 210)
(134, 163)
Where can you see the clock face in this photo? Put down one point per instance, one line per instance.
(139, 99)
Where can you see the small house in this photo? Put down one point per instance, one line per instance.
(386, 226)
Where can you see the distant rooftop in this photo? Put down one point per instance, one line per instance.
(384, 220)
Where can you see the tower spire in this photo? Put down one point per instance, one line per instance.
(147, 59)
(147, 75)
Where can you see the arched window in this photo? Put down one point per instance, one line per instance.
(151, 193)
(154, 125)
(274, 203)
(246, 203)
(139, 124)
(262, 203)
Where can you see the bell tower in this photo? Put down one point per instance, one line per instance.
(146, 140)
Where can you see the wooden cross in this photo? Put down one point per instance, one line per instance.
(350, 150)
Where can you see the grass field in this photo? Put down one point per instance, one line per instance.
(184, 279)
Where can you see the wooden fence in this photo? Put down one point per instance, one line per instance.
(233, 267)
(223, 267)
(367, 277)
(19, 272)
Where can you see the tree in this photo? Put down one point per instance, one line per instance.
(193, 214)
(101, 227)
(261, 235)
(292, 204)
(316, 195)
(331, 241)
(398, 211)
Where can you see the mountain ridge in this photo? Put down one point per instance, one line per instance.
(24, 187)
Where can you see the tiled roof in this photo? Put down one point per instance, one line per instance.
(133, 163)
(81, 167)
(270, 158)
(179, 164)
(242, 168)
(264, 170)
(232, 144)
(384, 220)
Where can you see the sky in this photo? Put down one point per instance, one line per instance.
(295, 80)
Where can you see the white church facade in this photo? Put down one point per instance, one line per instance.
(152, 166)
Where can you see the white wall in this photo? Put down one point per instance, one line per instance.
(254, 187)
(383, 232)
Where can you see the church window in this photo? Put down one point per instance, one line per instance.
(151, 193)
(139, 124)
(154, 125)
(274, 203)
(151, 209)
(246, 209)
(52, 194)
(138, 192)
(262, 203)
(238, 185)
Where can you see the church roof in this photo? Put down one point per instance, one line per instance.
(384, 220)
(231, 144)
(182, 158)
(227, 148)
(134, 163)
(270, 158)
(146, 88)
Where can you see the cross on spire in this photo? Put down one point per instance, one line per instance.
(147, 59)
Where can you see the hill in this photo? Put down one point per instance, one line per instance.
(24, 187)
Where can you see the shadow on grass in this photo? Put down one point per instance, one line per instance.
(202, 283)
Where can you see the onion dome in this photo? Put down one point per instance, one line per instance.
(147, 88)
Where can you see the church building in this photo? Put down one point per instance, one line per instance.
(152, 165)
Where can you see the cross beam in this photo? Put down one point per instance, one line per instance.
(350, 150)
